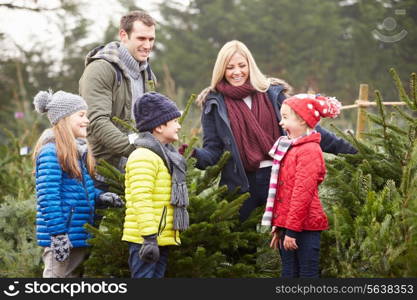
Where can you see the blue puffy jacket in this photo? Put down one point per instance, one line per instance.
(218, 137)
(64, 204)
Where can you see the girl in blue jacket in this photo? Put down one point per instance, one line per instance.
(65, 191)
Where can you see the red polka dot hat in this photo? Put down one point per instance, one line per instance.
(313, 107)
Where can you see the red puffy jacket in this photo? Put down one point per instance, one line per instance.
(297, 205)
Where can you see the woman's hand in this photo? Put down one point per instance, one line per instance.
(290, 243)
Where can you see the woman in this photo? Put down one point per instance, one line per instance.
(241, 114)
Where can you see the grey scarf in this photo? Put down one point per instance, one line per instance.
(82, 148)
(177, 166)
(134, 69)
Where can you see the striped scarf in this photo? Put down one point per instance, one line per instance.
(278, 151)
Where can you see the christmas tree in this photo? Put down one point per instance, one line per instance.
(370, 197)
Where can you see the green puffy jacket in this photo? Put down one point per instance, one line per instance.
(105, 86)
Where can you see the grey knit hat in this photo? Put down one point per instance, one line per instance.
(58, 105)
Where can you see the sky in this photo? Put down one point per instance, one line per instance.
(27, 29)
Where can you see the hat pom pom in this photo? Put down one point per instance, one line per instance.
(334, 107)
(41, 100)
(330, 106)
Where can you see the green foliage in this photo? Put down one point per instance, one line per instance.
(20, 256)
(16, 176)
(187, 108)
(109, 254)
(370, 198)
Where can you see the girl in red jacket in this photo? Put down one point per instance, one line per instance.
(293, 206)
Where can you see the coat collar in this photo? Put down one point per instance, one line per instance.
(311, 138)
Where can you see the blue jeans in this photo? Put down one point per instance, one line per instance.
(141, 269)
(258, 189)
(305, 261)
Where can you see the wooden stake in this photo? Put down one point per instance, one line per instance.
(361, 121)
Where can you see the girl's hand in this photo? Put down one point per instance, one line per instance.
(289, 243)
(275, 238)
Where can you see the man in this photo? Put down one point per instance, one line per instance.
(115, 76)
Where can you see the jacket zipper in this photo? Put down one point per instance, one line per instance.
(70, 217)
(163, 218)
(86, 194)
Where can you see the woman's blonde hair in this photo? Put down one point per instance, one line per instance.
(66, 149)
(256, 78)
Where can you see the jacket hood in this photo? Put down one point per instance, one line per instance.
(109, 53)
(286, 87)
(47, 136)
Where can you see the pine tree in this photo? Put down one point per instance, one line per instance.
(217, 244)
(370, 197)
(20, 256)
(15, 178)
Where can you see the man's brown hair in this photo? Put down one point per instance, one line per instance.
(126, 22)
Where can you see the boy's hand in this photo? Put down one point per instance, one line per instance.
(290, 243)
(149, 252)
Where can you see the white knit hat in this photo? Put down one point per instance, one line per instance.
(58, 105)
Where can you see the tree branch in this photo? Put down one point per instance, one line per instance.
(37, 9)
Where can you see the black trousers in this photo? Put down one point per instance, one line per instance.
(258, 189)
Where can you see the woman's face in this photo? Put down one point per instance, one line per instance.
(237, 70)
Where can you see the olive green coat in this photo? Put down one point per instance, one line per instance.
(105, 86)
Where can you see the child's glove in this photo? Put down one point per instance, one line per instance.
(110, 199)
(149, 252)
(61, 245)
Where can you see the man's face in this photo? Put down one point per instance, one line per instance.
(140, 42)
